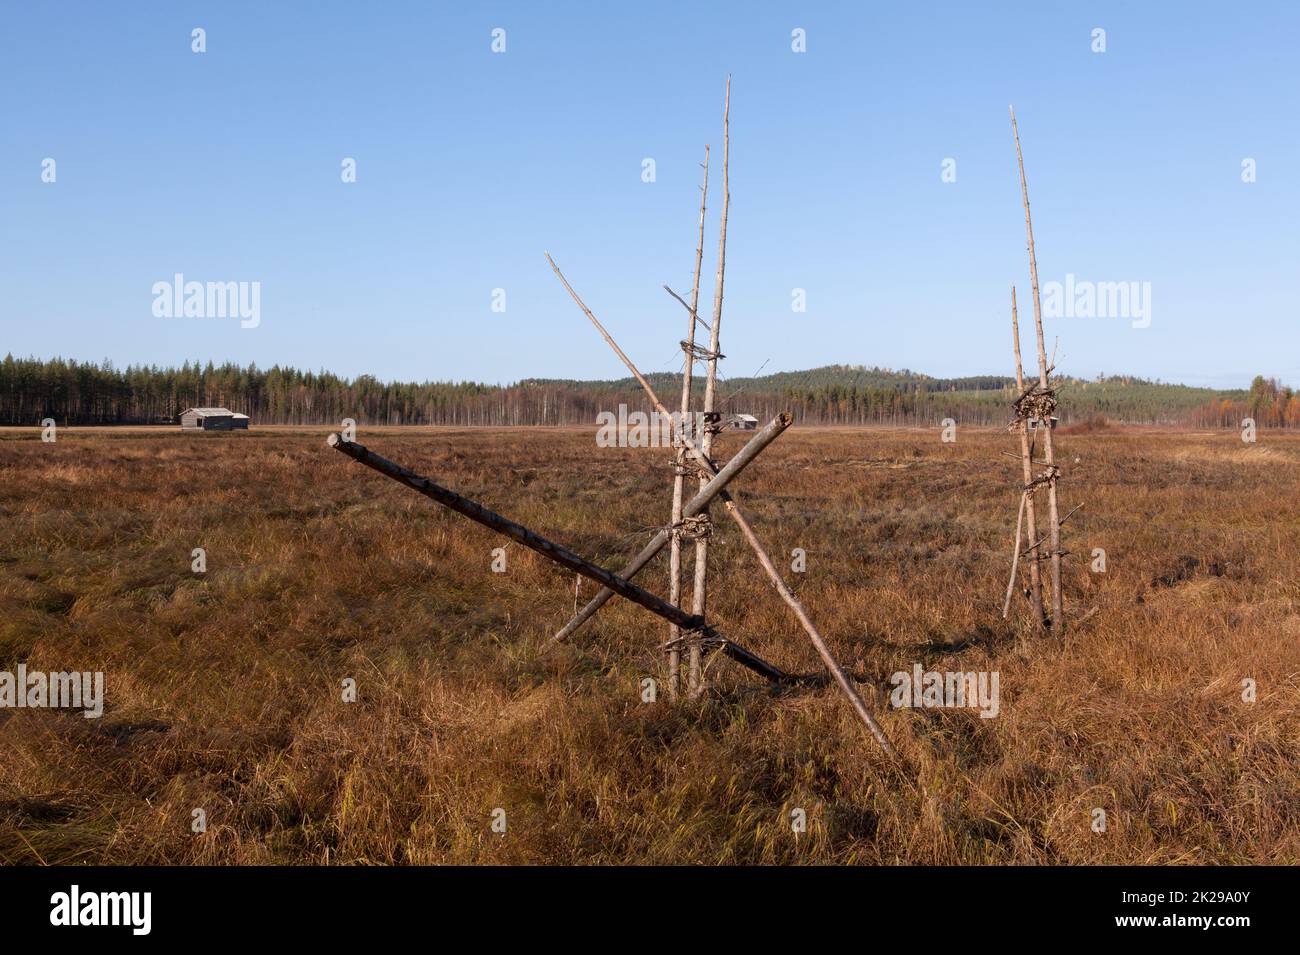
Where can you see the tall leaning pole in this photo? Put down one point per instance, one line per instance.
(1048, 401)
(680, 469)
(1027, 493)
(699, 596)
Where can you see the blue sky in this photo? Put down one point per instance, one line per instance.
(225, 166)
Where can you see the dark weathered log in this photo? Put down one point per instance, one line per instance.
(691, 508)
(557, 553)
(788, 595)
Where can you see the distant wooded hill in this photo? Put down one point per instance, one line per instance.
(73, 392)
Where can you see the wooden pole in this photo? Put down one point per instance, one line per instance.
(679, 459)
(557, 553)
(838, 674)
(699, 596)
(693, 507)
(1015, 555)
(1027, 496)
(1058, 617)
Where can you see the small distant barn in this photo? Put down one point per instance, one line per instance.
(212, 419)
(743, 422)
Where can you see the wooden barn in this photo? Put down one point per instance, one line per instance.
(212, 419)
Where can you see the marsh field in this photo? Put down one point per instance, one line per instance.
(224, 691)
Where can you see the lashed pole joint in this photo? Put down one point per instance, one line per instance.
(693, 507)
(733, 509)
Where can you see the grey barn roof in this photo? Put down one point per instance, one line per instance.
(214, 412)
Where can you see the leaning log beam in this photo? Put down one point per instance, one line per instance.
(692, 507)
(562, 556)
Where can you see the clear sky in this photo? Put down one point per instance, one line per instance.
(226, 166)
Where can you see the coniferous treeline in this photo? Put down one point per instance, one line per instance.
(73, 392)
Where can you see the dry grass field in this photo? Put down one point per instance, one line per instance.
(223, 690)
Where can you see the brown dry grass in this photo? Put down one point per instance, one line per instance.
(224, 690)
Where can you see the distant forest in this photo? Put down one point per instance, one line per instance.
(74, 392)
